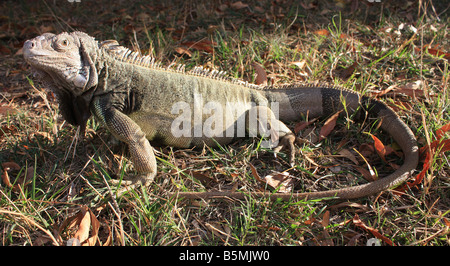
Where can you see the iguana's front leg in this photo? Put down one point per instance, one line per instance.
(261, 121)
(126, 130)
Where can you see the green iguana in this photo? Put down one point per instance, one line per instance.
(140, 101)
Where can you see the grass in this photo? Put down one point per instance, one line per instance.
(55, 173)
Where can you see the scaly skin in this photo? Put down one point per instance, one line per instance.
(138, 101)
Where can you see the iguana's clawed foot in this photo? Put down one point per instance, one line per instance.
(287, 142)
(139, 180)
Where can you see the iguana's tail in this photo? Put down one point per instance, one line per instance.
(320, 101)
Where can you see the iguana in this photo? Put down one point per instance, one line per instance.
(139, 101)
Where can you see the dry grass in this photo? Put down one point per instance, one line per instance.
(55, 174)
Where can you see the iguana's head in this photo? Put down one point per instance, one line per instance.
(65, 58)
(65, 62)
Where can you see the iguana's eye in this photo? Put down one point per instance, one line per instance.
(62, 43)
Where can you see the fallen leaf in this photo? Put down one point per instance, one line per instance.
(347, 154)
(382, 92)
(428, 152)
(261, 76)
(328, 126)
(302, 125)
(299, 64)
(368, 175)
(11, 129)
(441, 131)
(282, 182)
(346, 73)
(217, 229)
(204, 45)
(357, 222)
(86, 227)
(379, 147)
(204, 179)
(366, 149)
(82, 233)
(238, 5)
(182, 50)
(434, 51)
(325, 238)
(323, 32)
(255, 173)
(10, 165)
(23, 179)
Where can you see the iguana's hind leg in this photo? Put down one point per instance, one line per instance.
(261, 121)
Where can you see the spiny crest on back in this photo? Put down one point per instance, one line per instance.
(126, 55)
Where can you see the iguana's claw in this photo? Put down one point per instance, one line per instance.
(287, 142)
(132, 183)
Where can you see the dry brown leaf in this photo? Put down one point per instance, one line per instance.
(238, 5)
(23, 179)
(379, 147)
(441, 131)
(261, 75)
(182, 50)
(346, 73)
(328, 126)
(366, 150)
(428, 152)
(204, 45)
(255, 174)
(91, 241)
(84, 227)
(283, 182)
(382, 92)
(373, 231)
(10, 165)
(434, 51)
(302, 125)
(300, 64)
(367, 175)
(82, 233)
(204, 179)
(323, 32)
(347, 154)
(5, 178)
